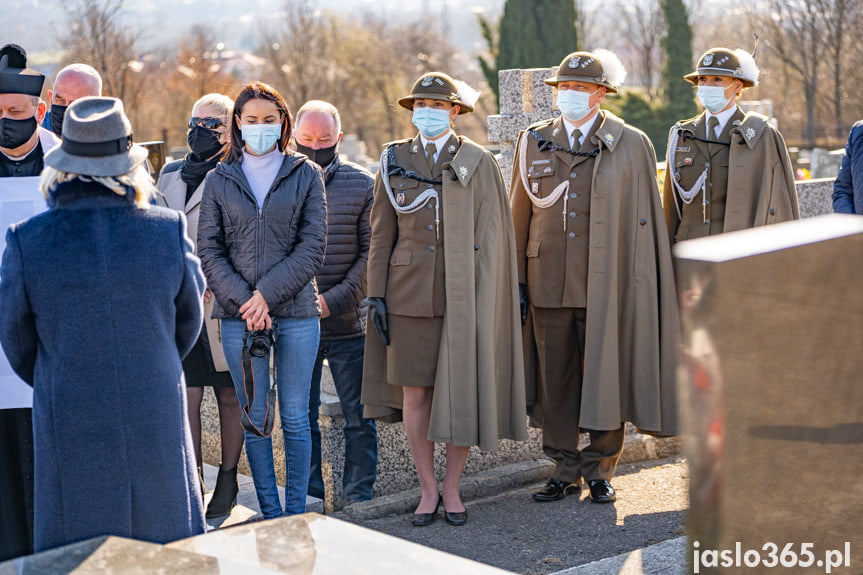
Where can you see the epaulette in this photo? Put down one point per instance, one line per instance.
(397, 142)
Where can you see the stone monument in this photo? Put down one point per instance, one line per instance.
(773, 341)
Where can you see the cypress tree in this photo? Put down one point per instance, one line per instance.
(677, 47)
(531, 34)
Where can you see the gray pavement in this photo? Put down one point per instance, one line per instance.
(641, 533)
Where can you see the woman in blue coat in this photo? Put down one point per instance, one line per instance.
(100, 298)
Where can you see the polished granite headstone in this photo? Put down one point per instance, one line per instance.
(773, 339)
(312, 543)
(299, 545)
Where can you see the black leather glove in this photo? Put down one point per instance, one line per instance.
(378, 317)
(522, 302)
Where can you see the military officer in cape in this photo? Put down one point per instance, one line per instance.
(595, 275)
(726, 170)
(443, 297)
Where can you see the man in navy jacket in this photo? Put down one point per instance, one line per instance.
(848, 187)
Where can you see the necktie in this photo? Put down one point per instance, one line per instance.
(431, 150)
(712, 122)
(576, 136)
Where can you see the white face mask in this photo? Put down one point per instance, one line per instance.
(712, 98)
(574, 105)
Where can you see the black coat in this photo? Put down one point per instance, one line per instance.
(277, 249)
(99, 300)
(342, 279)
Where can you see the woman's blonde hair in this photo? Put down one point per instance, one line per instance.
(138, 179)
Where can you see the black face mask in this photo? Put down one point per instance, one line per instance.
(58, 112)
(323, 157)
(204, 143)
(15, 133)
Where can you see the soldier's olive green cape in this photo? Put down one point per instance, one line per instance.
(633, 328)
(479, 386)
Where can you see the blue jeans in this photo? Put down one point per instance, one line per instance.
(345, 357)
(297, 340)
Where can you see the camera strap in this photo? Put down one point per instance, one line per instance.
(249, 384)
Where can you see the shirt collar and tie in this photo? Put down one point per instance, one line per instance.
(580, 133)
(434, 147)
(718, 121)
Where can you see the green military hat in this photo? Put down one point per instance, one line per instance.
(586, 67)
(738, 64)
(15, 76)
(436, 86)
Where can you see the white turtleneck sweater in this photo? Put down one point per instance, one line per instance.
(261, 171)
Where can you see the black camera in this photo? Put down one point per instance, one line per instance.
(261, 340)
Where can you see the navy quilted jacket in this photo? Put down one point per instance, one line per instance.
(342, 279)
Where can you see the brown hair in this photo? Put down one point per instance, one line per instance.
(252, 91)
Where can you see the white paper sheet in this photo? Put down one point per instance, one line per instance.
(20, 199)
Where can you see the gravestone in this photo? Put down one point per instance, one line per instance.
(524, 100)
(773, 341)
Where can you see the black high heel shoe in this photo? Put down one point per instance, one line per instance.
(423, 519)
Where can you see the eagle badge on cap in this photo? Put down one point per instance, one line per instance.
(427, 81)
(573, 62)
(708, 60)
(400, 198)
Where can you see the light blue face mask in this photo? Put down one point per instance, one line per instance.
(261, 137)
(574, 105)
(431, 122)
(712, 98)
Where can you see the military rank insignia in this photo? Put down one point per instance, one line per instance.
(400, 198)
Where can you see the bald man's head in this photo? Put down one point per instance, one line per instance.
(73, 82)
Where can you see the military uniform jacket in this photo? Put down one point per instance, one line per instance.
(633, 329)
(479, 385)
(760, 188)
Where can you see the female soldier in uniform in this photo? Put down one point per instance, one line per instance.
(726, 170)
(443, 296)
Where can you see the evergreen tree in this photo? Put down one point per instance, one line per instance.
(531, 34)
(677, 48)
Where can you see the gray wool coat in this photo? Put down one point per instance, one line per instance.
(99, 301)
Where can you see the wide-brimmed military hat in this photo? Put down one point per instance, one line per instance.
(97, 140)
(582, 67)
(437, 86)
(15, 76)
(737, 64)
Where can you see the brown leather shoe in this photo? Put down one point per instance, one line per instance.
(555, 490)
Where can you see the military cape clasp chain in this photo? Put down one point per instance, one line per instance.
(389, 167)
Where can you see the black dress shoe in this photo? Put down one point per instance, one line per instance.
(423, 519)
(455, 517)
(555, 490)
(601, 491)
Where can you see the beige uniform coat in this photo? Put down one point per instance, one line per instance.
(632, 327)
(760, 177)
(174, 189)
(479, 384)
